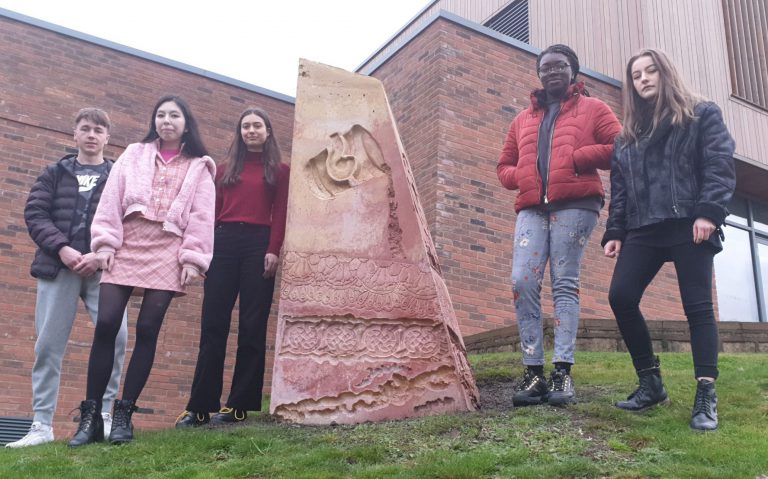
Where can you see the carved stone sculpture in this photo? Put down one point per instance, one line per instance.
(366, 329)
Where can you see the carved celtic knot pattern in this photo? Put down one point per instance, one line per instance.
(302, 337)
(355, 284)
(420, 339)
(340, 339)
(344, 338)
(381, 339)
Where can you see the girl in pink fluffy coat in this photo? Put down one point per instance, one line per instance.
(153, 231)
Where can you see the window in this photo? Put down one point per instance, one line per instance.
(741, 269)
(746, 22)
(512, 21)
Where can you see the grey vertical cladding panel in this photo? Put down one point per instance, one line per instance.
(746, 22)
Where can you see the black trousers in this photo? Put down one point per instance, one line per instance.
(237, 268)
(636, 267)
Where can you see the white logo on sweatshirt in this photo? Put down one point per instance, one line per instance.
(87, 182)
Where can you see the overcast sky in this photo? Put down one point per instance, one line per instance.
(256, 41)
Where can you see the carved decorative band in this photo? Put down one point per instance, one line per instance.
(358, 283)
(341, 338)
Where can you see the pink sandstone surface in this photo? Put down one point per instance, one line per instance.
(366, 329)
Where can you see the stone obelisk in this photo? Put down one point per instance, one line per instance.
(366, 329)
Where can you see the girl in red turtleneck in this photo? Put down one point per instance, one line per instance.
(251, 200)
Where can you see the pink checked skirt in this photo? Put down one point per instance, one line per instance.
(149, 257)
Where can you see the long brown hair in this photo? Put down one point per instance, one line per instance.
(674, 99)
(270, 155)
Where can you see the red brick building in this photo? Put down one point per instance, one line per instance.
(48, 73)
(454, 87)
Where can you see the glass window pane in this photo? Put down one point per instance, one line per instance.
(760, 215)
(738, 210)
(762, 253)
(735, 279)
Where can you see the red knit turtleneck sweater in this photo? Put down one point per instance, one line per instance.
(252, 200)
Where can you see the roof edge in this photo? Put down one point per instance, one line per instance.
(144, 55)
(476, 27)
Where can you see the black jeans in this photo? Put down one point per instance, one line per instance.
(237, 268)
(636, 267)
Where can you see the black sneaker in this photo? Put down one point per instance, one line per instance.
(704, 414)
(561, 391)
(531, 390)
(192, 419)
(227, 416)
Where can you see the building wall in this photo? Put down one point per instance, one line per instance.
(46, 77)
(692, 32)
(454, 89)
(482, 84)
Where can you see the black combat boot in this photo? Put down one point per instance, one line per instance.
(91, 428)
(122, 427)
(649, 393)
(704, 415)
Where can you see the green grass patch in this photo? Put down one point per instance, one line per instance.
(590, 439)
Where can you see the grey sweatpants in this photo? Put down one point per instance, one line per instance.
(55, 313)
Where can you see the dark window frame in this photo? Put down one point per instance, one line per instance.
(755, 237)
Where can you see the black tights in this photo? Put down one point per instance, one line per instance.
(635, 269)
(113, 299)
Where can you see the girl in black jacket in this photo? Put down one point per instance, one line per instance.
(672, 175)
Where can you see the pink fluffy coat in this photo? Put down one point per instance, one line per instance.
(129, 190)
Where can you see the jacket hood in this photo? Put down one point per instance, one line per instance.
(538, 97)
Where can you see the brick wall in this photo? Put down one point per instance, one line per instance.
(453, 91)
(477, 85)
(46, 77)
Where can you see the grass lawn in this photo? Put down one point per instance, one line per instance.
(591, 439)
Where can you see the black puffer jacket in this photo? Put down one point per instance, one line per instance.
(676, 173)
(49, 211)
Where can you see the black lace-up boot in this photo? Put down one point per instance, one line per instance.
(91, 428)
(704, 415)
(561, 390)
(531, 390)
(122, 427)
(649, 393)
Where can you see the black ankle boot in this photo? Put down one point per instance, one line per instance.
(122, 427)
(649, 393)
(91, 428)
(704, 415)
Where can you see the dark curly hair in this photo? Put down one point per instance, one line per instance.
(573, 59)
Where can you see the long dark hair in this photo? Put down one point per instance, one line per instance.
(270, 155)
(674, 99)
(192, 143)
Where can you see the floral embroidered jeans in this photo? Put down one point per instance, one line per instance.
(558, 237)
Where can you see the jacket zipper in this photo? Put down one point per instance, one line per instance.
(102, 179)
(549, 160)
(672, 176)
(631, 174)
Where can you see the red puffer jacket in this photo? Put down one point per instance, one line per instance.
(583, 138)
